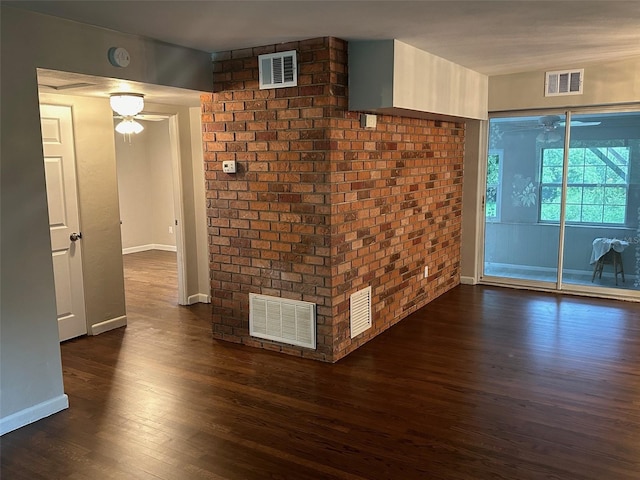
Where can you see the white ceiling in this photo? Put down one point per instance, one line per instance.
(491, 37)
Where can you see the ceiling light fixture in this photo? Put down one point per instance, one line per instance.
(127, 104)
(129, 126)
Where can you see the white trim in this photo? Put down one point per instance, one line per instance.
(34, 413)
(467, 280)
(198, 298)
(107, 325)
(150, 246)
(178, 207)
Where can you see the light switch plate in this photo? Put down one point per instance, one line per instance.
(229, 166)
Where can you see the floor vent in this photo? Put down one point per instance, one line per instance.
(360, 311)
(282, 320)
(567, 82)
(278, 70)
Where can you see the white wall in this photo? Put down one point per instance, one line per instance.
(392, 77)
(145, 189)
(30, 363)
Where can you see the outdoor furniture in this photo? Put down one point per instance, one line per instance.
(608, 251)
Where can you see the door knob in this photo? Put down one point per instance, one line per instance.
(75, 236)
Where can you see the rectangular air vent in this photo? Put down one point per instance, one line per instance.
(278, 70)
(360, 311)
(566, 82)
(282, 320)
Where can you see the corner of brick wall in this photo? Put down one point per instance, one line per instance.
(321, 207)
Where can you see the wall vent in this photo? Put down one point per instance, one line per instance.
(360, 311)
(565, 82)
(278, 70)
(282, 320)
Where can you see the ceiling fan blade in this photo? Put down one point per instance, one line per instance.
(579, 123)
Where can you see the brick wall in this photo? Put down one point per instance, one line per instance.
(320, 207)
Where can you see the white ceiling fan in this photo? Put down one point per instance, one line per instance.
(550, 123)
(128, 107)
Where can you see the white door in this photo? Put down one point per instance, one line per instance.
(64, 222)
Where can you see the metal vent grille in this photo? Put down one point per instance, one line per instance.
(282, 320)
(566, 82)
(278, 70)
(360, 311)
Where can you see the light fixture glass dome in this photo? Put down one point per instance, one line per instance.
(127, 104)
(129, 126)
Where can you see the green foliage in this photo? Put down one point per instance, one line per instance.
(597, 180)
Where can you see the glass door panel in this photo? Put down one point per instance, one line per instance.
(523, 198)
(602, 235)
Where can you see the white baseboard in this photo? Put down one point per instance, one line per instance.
(150, 246)
(33, 414)
(198, 298)
(467, 280)
(107, 325)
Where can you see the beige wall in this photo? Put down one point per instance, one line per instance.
(389, 76)
(191, 176)
(604, 84)
(98, 201)
(30, 368)
(475, 141)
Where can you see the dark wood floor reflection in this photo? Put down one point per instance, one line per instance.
(483, 383)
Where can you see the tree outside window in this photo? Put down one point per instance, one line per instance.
(492, 194)
(597, 185)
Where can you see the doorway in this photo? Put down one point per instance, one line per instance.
(562, 202)
(149, 195)
(102, 268)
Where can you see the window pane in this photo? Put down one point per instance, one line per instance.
(552, 174)
(573, 213)
(553, 157)
(593, 195)
(615, 196)
(574, 195)
(550, 212)
(592, 213)
(617, 175)
(614, 214)
(576, 156)
(550, 195)
(595, 175)
(576, 175)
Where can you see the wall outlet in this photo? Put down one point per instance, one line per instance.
(170, 229)
(426, 272)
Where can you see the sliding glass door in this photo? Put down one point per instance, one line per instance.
(602, 247)
(518, 246)
(575, 210)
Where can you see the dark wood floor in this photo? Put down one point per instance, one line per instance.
(483, 383)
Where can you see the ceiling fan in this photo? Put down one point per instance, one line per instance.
(550, 123)
(128, 107)
(551, 126)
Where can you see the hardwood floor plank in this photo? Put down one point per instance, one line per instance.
(483, 383)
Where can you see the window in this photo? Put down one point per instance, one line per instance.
(494, 177)
(597, 184)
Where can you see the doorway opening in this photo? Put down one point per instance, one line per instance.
(149, 193)
(562, 202)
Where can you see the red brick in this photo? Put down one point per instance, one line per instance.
(328, 208)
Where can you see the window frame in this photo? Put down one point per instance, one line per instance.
(605, 185)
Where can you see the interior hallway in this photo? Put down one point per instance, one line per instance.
(481, 383)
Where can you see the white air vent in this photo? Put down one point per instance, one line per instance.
(360, 311)
(567, 82)
(278, 70)
(282, 320)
